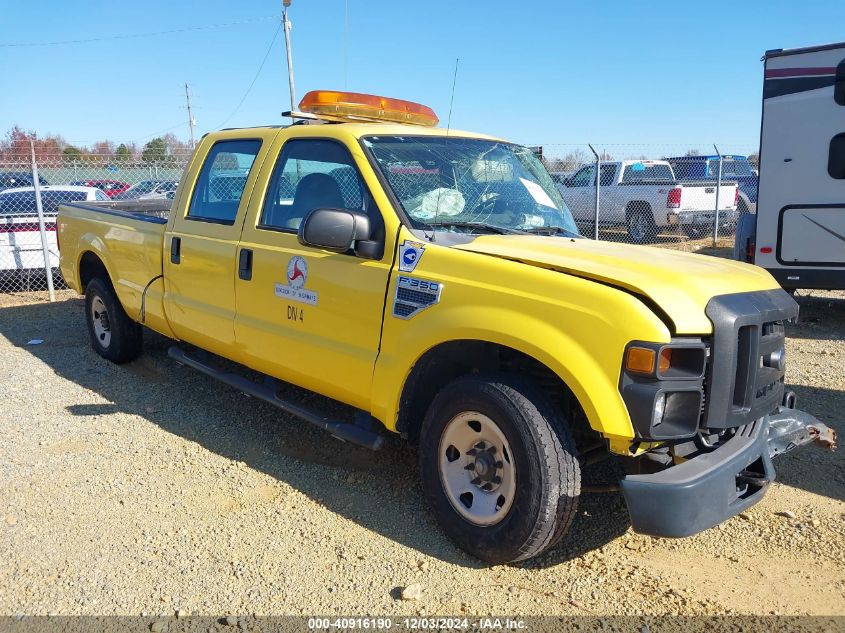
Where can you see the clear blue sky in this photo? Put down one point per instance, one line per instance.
(649, 74)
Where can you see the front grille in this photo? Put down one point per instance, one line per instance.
(746, 370)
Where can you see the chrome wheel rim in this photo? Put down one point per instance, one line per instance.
(476, 468)
(100, 320)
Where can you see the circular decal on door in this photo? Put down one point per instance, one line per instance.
(297, 271)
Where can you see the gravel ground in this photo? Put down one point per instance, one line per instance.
(149, 488)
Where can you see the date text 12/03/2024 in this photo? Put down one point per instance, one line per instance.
(419, 623)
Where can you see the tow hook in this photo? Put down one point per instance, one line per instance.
(750, 478)
(790, 428)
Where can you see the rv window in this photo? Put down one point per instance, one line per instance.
(839, 86)
(836, 157)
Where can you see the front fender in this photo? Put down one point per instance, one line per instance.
(580, 337)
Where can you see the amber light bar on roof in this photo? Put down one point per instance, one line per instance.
(355, 105)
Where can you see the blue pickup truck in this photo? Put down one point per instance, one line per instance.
(734, 167)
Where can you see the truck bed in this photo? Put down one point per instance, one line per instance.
(700, 195)
(127, 236)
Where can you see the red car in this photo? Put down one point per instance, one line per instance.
(109, 187)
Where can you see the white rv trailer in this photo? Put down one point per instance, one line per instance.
(800, 222)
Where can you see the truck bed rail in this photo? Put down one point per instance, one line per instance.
(155, 211)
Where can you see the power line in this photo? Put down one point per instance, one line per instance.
(254, 79)
(141, 139)
(138, 35)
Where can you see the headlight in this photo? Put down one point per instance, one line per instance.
(662, 385)
(672, 360)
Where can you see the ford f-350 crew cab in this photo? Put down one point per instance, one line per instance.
(434, 281)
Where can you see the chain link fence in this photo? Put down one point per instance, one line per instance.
(29, 251)
(674, 197)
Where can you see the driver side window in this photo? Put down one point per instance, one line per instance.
(311, 174)
(583, 177)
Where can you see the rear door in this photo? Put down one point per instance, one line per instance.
(201, 245)
(305, 315)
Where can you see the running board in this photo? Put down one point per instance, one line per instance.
(345, 431)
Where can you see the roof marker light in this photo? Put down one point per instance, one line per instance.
(335, 105)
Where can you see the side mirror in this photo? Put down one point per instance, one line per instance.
(338, 230)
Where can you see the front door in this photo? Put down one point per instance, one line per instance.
(577, 192)
(305, 315)
(200, 250)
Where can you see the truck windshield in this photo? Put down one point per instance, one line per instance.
(464, 185)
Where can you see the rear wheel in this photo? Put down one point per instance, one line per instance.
(498, 467)
(641, 226)
(113, 334)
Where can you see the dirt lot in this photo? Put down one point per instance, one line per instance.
(149, 488)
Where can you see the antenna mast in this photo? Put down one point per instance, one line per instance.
(191, 121)
(286, 23)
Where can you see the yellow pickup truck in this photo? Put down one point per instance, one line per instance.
(434, 280)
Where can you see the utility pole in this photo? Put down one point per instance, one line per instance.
(286, 23)
(191, 122)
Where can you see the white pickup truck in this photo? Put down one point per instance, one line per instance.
(644, 196)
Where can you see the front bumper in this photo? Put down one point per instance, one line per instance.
(711, 487)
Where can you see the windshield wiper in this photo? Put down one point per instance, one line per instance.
(492, 228)
(550, 230)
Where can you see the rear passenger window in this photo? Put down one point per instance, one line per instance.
(221, 182)
(836, 157)
(607, 174)
(311, 174)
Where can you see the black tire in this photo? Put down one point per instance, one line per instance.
(124, 336)
(696, 231)
(547, 480)
(640, 223)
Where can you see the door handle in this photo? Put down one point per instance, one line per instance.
(245, 264)
(175, 250)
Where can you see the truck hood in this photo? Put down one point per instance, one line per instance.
(680, 284)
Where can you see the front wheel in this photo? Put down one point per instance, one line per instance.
(113, 334)
(498, 467)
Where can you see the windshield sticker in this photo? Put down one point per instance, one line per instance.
(410, 254)
(637, 167)
(538, 193)
(294, 289)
